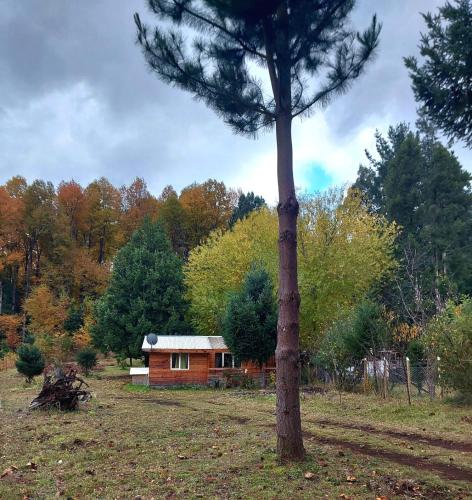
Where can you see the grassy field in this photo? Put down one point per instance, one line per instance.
(145, 443)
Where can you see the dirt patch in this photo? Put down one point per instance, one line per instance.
(162, 402)
(78, 443)
(239, 420)
(446, 470)
(113, 377)
(410, 436)
(387, 485)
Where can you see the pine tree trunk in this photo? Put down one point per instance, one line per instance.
(289, 432)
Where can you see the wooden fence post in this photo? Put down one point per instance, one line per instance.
(385, 377)
(408, 378)
(439, 378)
(366, 375)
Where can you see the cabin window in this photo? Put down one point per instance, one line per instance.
(179, 361)
(226, 360)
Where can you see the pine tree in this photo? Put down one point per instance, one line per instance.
(30, 361)
(443, 84)
(246, 204)
(250, 323)
(146, 294)
(418, 183)
(86, 359)
(296, 42)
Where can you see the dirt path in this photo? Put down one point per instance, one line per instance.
(411, 436)
(448, 471)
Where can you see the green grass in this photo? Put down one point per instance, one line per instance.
(132, 440)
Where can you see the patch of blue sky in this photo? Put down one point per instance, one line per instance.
(315, 178)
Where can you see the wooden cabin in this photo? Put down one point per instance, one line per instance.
(195, 360)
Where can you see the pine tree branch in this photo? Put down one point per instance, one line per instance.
(190, 73)
(214, 24)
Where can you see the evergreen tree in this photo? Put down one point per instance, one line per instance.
(250, 323)
(246, 204)
(146, 294)
(30, 361)
(86, 359)
(443, 84)
(418, 183)
(296, 42)
(75, 319)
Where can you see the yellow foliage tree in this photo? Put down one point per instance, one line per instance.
(219, 266)
(343, 251)
(82, 337)
(46, 322)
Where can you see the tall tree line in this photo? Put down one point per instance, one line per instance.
(64, 238)
(418, 183)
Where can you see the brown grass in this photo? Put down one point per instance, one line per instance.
(130, 442)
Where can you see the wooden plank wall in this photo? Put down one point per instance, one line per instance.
(161, 374)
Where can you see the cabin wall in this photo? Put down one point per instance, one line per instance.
(161, 374)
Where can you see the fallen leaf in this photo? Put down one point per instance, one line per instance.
(182, 457)
(9, 471)
(309, 475)
(351, 479)
(32, 466)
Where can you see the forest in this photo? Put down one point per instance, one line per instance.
(383, 265)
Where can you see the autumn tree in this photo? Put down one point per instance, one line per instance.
(46, 316)
(217, 268)
(293, 42)
(10, 330)
(11, 255)
(343, 251)
(208, 206)
(72, 205)
(137, 203)
(174, 220)
(39, 227)
(103, 214)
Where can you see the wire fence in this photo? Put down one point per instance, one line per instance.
(386, 376)
(390, 374)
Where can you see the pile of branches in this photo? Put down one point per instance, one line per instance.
(61, 390)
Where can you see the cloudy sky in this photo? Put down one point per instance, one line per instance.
(76, 101)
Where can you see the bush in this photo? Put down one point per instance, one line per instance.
(86, 359)
(449, 336)
(349, 341)
(30, 361)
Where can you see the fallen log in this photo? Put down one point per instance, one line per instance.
(61, 390)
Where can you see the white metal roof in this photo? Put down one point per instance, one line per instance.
(139, 371)
(187, 342)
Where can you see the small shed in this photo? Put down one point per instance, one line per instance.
(195, 360)
(139, 376)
